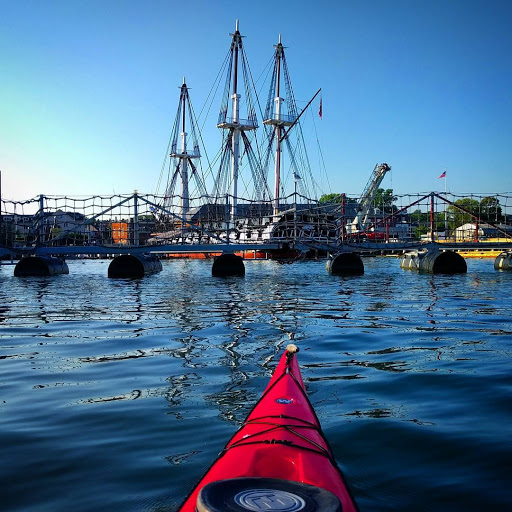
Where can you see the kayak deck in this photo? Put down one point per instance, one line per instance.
(280, 439)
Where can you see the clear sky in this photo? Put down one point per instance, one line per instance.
(89, 88)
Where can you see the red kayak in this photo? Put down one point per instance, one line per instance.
(279, 460)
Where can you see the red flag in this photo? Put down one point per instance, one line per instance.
(320, 109)
(442, 175)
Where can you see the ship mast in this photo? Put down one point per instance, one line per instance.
(182, 155)
(274, 117)
(185, 200)
(237, 40)
(278, 128)
(236, 126)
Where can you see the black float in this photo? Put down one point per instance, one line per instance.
(228, 264)
(345, 263)
(40, 266)
(503, 261)
(134, 266)
(434, 261)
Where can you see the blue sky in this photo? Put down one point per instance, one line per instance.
(89, 89)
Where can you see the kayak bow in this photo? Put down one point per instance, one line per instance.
(279, 460)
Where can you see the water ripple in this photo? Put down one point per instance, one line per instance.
(118, 394)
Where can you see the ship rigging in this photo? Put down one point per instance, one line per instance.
(263, 215)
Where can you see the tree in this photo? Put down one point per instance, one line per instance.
(490, 209)
(335, 198)
(460, 217)
(421, 221)
(487, 210)
(384, 200)
(419, 217)
(330, 198)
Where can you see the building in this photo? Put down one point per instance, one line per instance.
(468, 232)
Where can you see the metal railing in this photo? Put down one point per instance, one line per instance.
(251, 123)
(279, 118)
(146, 221)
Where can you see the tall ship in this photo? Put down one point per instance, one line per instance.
(254, 196)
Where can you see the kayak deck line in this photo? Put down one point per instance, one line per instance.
(288, 371)
(278, 455)
(277, 426)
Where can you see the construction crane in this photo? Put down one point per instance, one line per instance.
(360, 222)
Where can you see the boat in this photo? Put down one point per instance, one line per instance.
(225, 215)
(279, 459)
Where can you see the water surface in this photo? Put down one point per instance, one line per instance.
(118, 394)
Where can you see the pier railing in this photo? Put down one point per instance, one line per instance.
(149, 221)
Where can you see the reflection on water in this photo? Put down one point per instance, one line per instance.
(117, 394)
